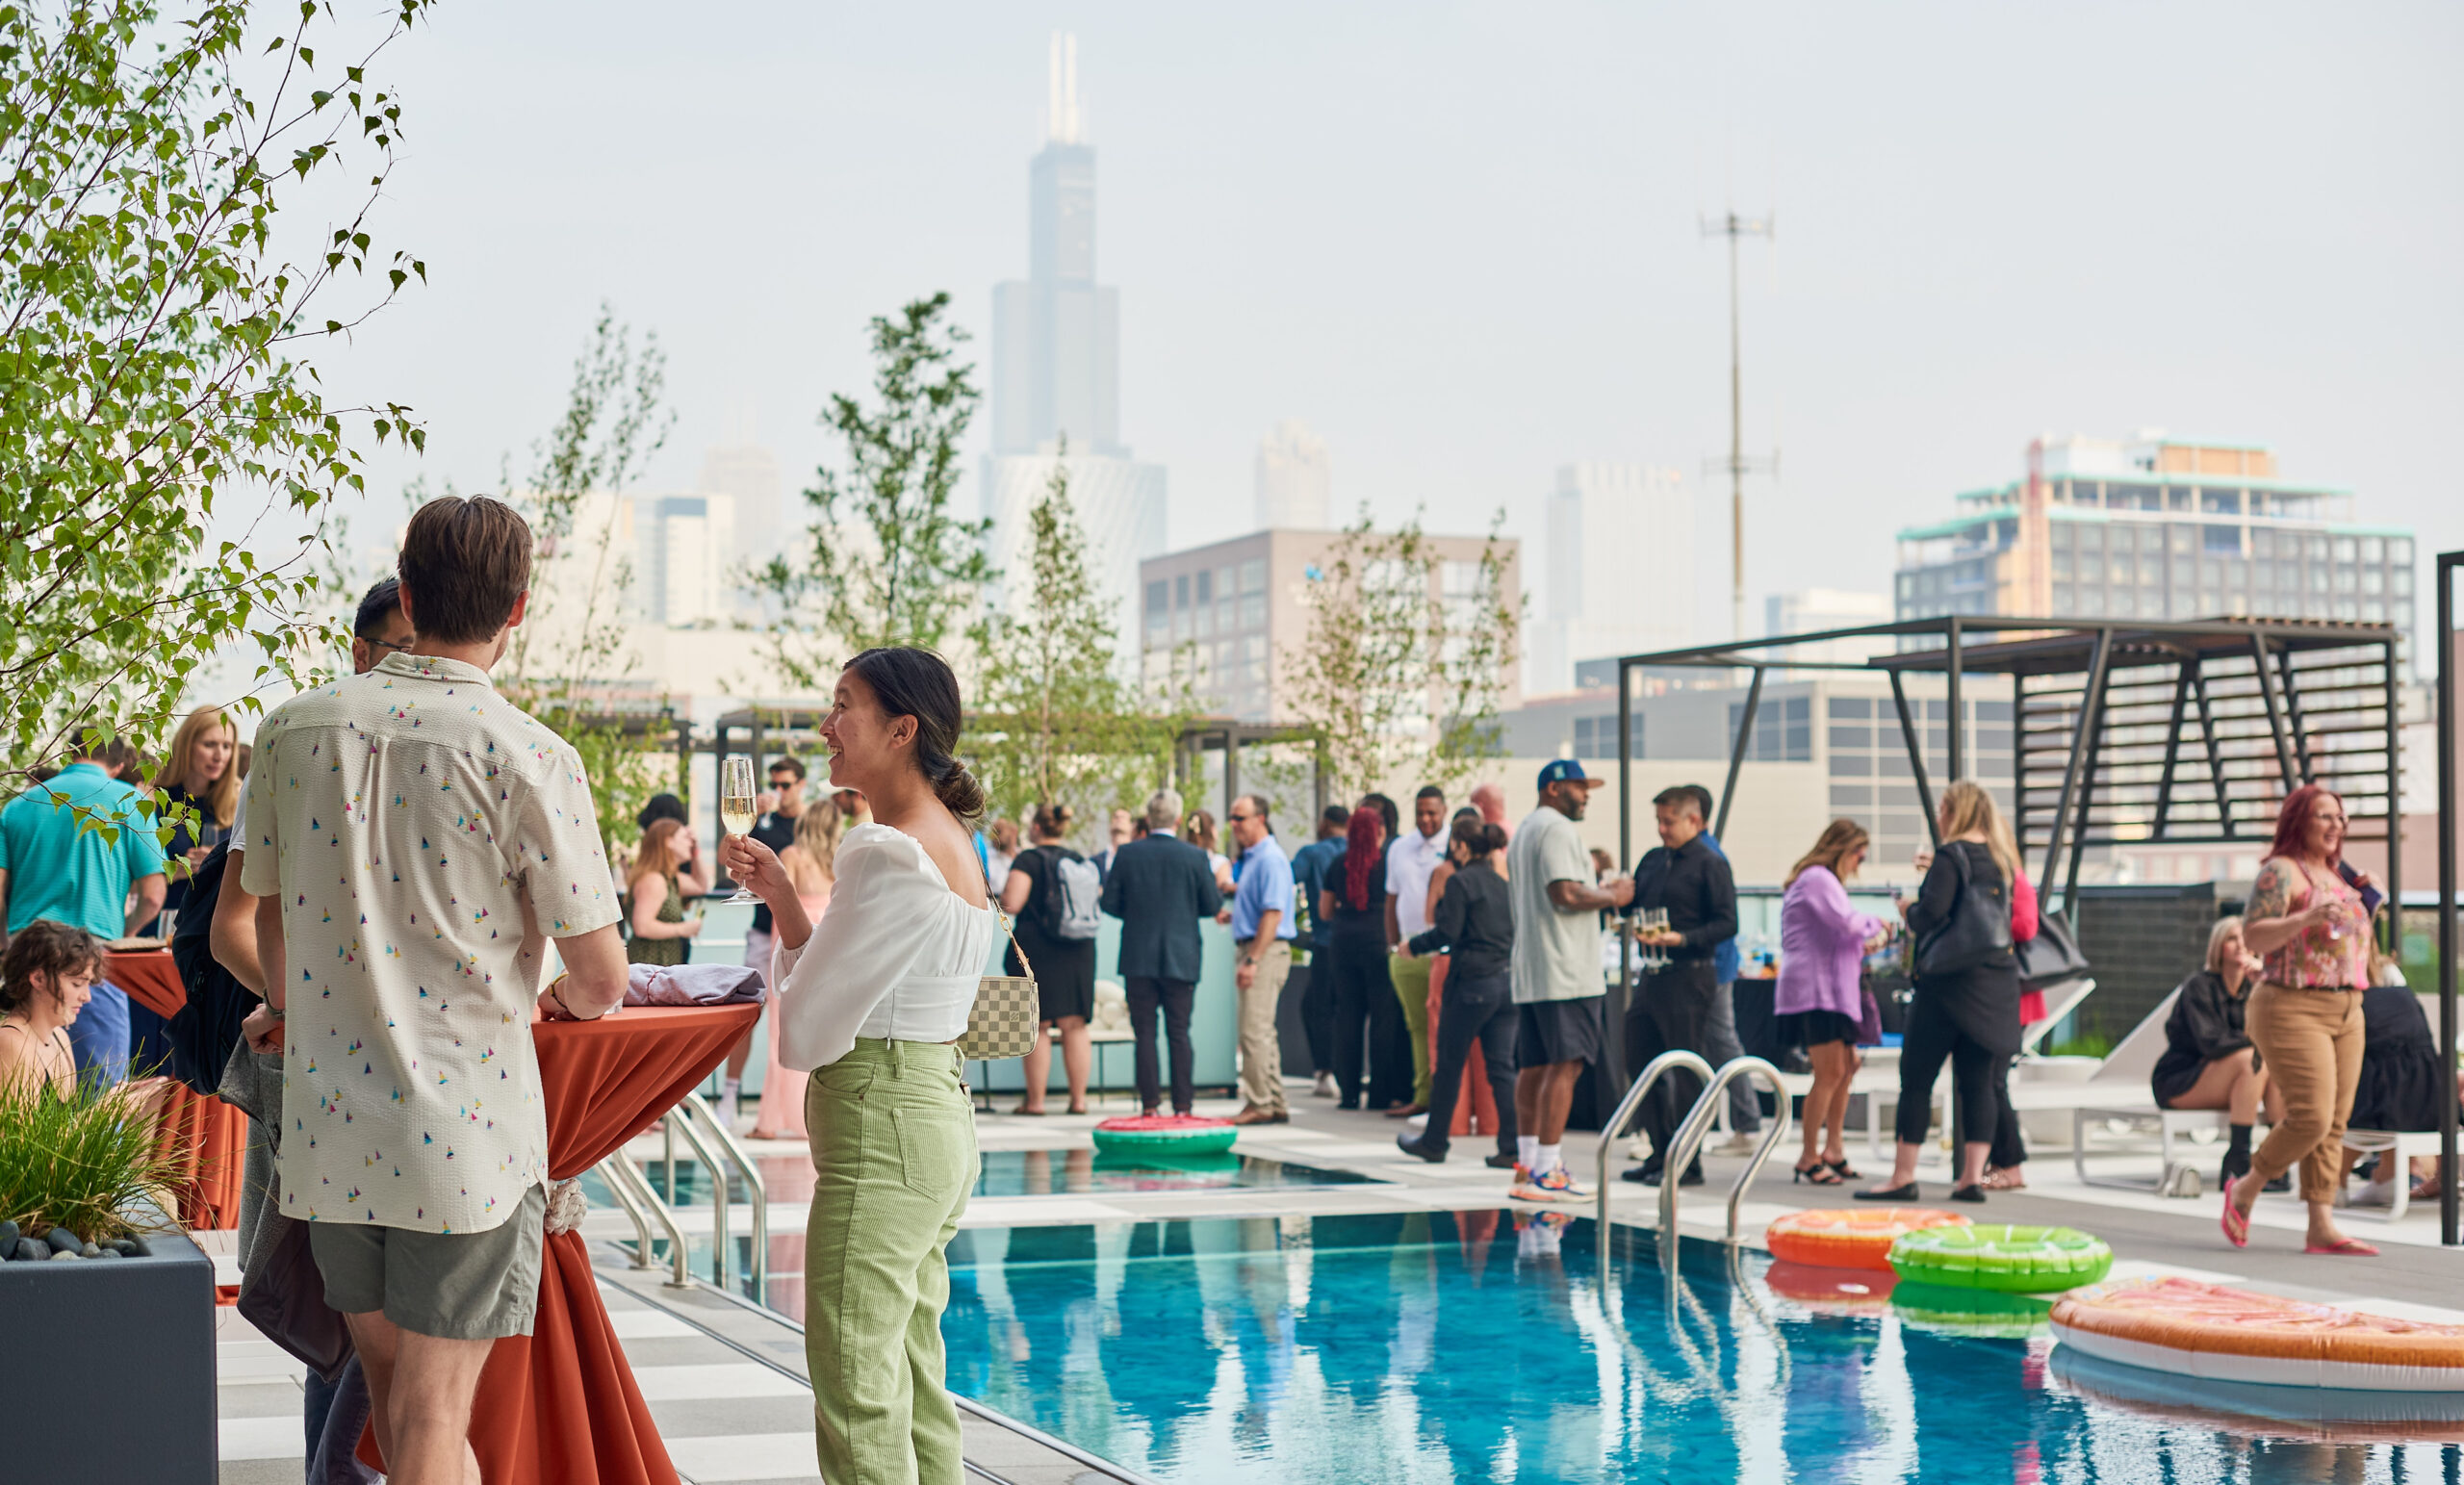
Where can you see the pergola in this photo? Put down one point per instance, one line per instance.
(1204, 734)
(2146, 734)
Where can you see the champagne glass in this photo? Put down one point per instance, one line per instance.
(735, 807)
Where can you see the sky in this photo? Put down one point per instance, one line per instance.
(1463, 243)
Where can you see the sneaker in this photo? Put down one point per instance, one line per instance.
(1738, 1145)
(1555, 1186)
(1503, 1161)
(1324, 1087)
(1652, 1175)
(1417, 1145)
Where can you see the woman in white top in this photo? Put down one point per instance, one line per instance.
(870, 999)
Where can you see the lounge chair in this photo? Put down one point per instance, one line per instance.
(2119, 1089)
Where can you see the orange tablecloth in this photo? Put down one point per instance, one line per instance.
(559, 1406)
(218, 1132)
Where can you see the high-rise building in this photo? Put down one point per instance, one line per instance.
(2156, 527)
(748, 473)
(1816, 610)
(1295, 481)
(1056, 374)
(1620, 578)
(683, 561)
(1226, 617)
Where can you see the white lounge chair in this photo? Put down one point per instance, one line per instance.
(2119, 1089)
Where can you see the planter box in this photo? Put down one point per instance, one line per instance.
(114, 1368)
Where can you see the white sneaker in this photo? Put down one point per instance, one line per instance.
(1738, 1145)
(1324, 1087)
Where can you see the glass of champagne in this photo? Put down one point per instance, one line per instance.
(735, 807)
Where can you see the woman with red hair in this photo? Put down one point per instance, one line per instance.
(1354, 903)
(2307, 922)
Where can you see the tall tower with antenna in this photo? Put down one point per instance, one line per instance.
(1732, 226)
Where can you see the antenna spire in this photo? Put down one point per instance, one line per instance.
(1063, 119)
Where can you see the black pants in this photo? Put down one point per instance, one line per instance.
(1971, 1018)
(2009, 1150)
(1470, 1010)
(1364, 995)
(1173, 996)
(1671, 1013)
(1318, 1009)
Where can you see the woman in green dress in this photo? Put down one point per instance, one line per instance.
(662, 871)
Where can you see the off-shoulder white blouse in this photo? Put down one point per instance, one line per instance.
(896, 955)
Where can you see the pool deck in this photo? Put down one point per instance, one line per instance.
(726, 1383)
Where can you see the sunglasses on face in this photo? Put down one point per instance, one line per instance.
(401, 646)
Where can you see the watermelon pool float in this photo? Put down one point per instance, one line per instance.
(2014, 1260)
(1164, 1133)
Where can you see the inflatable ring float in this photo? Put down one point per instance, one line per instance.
(2206, 1330)
(1834, 1292)
(2015, 1259)
(1857, 1238)
(1164, 1133)
(1975, 1314)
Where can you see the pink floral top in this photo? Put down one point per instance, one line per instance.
(2334, 954)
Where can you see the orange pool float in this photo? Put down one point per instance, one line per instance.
(1854, 1238)
(2207, 1330)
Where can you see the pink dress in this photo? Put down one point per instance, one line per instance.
(782, 1115)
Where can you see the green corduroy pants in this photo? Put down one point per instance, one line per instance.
(893, 1155)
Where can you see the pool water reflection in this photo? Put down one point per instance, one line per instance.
(1488, 1346)
(1082, 1171)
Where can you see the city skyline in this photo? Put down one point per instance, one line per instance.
(1464, 248)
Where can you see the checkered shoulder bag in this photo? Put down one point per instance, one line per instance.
(1001, 1022)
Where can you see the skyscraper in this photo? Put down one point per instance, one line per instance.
(1295, 481)
(744, 468)
(1056, 374)
(1620, 572)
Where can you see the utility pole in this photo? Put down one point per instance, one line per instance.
(1733, 227)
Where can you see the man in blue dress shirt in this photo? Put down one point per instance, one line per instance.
(1262, 930)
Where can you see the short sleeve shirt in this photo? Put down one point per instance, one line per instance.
(1265, 886)
(2324, 956)
(64, 872)
(1556, 954)
(1411, 859)
(426, 837)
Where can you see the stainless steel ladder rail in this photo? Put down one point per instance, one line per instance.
(722, 1247)
(623, 1196)
(1615, 1128)
(757, 1189)
(621, 1170)
(1697, 1125)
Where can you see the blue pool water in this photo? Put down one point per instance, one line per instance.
(1489, 1346)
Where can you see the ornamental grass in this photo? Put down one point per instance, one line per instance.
(97, 1162)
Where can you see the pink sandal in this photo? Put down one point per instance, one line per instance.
(2237, 1224)
(2343, 1247)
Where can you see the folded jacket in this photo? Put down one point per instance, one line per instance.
(694, 985)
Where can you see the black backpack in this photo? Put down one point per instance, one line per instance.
(206, 1030)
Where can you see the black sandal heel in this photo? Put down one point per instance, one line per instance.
(1816, 1174)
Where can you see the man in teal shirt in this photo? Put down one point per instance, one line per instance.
(52, 866)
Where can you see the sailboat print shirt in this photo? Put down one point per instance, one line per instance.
(426, 838)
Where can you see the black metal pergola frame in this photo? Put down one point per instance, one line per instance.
(2219, 668)
(1202, 735)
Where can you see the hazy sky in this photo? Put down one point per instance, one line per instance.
(1461, 242)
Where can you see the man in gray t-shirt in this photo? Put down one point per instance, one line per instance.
(1556, 973)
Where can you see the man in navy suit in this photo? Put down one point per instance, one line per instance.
(1160, 886)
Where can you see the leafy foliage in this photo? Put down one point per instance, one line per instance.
(1398, 675)
(885, 562)
(153, 386)
(567, 657)
(90, 1162)
(1055, 723)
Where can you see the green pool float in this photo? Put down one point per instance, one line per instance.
(2013, 1260)
(1170, 1134)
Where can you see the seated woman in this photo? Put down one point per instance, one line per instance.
(2208, 1060)
(45, 977)
(2401, 1084)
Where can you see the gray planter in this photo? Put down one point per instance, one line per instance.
(114, 1368)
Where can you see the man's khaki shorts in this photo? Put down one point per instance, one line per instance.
(463, 1285)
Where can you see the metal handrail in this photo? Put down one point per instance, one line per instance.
(1690, 1133)
(621, 1167)
(723, 1254)
(623, 1196)
(1615, 1128)
(757, 1189)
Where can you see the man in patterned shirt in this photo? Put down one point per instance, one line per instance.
(417, 840)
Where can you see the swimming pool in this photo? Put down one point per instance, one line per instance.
(1076, 1171)
(1488, 1346)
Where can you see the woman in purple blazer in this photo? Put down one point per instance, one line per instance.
(1823, 942)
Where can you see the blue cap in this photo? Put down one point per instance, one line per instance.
(1567, 770)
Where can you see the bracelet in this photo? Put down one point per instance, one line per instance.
(558, 997)
(277, 1011)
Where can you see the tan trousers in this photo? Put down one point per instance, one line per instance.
(2310, 1042)
(1260, 1048)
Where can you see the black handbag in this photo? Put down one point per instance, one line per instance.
(1977, 929)
(2052, 956)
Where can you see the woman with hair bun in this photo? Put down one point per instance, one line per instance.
(872, 998)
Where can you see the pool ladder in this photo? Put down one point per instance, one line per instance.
(1688, 1140)
(718, 1150)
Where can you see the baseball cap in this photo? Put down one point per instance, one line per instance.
(1567, 770)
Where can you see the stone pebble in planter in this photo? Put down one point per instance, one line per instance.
(33, 1250)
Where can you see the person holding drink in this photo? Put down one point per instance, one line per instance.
(2309, 923)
